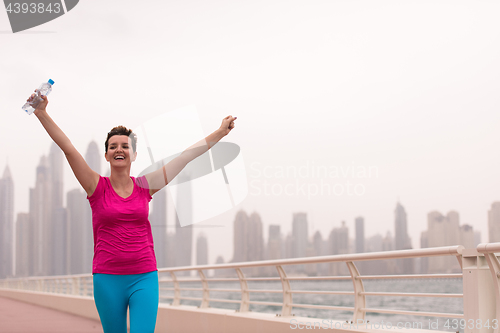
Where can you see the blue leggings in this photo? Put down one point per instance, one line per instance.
(114, 293)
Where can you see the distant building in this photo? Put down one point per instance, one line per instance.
(288, 246)
(466, 236)
(202, 250)
(240, 240)
(41, 217)
(93, 157)
(223, 272)
(300, 235)
(23, 245)
(58, 246)
(494, 223)
(402, 240)
(6, 224)
(338, 243)
(76, 205)
(274, 243)
(374, 243)
(477, 238)
(443, 231)
(158, 220)
(248, 239)
(360, 234)
(424, 261)
(184, 235)
(339, 240)
(388, 242)
(255, 238)
(319, 246)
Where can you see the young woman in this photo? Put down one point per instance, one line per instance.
(124, 265)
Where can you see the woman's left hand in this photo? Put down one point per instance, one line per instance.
(227, 124)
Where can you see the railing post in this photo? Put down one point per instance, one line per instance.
(359, 299)
(478, 290)
(245, 295)
(76, 286)
(177, 293)
(85, 287)
(206, 293)
(287, 295)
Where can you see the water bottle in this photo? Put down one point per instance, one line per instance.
(44, 89)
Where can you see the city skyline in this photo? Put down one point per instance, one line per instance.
(94, 159)
(405, 114)
(250, 244)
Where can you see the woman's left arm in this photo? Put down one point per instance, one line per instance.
(161, 177)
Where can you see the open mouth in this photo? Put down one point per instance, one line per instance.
(119, 158)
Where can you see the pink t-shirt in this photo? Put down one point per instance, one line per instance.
(123, 242)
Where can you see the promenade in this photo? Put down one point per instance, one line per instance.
(20, 317)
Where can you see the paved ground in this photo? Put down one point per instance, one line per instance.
(20, 317)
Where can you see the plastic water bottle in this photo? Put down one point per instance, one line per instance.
(44, 89)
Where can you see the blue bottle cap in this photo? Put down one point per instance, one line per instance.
(51, 82)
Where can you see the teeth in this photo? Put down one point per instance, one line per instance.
(119, 158)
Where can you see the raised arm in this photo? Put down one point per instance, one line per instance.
(161, 177)
(87, 177)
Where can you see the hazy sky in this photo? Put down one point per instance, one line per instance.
(405, 89)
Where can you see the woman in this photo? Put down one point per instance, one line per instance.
(124, 265)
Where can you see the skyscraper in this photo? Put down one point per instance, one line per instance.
(248, 240)
(77, 205)
(401, 239)
(58, 246)
(184, 235)
(6, 224)
(300, 235)
(494, 223)
(360, 234)
(158, 219)
(93, 158)
(240, 239)
(41, 216)
(23, 245)
(255, 238)
(56, 176)
(466, 236)
(202, 250)
(339, 240)
(274, 243)
(443, 231)
(338, 243)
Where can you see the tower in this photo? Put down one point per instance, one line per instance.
(6, 224)
(360, 234)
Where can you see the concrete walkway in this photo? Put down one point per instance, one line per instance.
(20, 317)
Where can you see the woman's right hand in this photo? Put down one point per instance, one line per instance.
(42, 105)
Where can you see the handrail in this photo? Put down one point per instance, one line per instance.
(489, 251)
(400, 254)
(77, 284)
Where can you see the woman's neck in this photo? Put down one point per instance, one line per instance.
(120, 178)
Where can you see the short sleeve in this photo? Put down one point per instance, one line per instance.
(143, 184)
(98, 190)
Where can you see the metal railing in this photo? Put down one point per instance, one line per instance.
(359, 309)
(82, 284)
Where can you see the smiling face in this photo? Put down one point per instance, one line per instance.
(120, 151)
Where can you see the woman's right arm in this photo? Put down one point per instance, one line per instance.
(87, 177)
